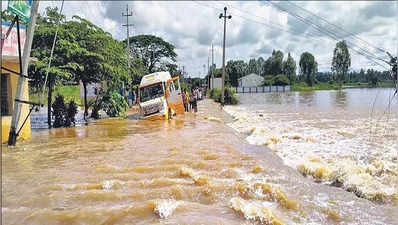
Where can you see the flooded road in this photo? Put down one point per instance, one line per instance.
(346, 138)
(191, 170)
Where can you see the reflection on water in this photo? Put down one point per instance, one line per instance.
(190, 170)
(346, 138)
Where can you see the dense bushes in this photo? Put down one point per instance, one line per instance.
(64, 115)
(279, 80)
(114, 104)
(230, 97)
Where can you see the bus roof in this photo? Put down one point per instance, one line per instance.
(154, 78)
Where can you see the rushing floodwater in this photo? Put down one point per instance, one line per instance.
(191, 170)
(345, 138)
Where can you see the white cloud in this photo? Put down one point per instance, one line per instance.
(192, 26)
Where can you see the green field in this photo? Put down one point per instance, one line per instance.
(327, 86)
(69, 93)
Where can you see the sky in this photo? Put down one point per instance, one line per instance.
(256, 28)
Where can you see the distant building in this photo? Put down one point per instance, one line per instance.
(93, 90)
(9, 83)
(251, 80)
(215, 83)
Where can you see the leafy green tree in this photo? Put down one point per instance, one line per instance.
(260, 65)
(341, 61)
(276, 63)
(137, 71)
(281, 80)
(252, 66)
(308, 68)
(235, 70)
(41, 49)
(289, 68)
(83, 51)
(152, 51)
(267, 67)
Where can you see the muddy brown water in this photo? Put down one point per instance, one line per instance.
(120, 171)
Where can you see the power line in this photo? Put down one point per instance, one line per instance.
(326, 31)
(263, 23)
(329, 33)
(364, 53)
(334, 25)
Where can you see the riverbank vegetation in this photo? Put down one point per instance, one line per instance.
(280, 70)
(85, 53)
(230, 97)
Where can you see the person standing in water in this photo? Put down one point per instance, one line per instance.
(185, 100)
(195, 100)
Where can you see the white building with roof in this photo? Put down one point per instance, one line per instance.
(251, 80)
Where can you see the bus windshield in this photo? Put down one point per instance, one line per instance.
(151, 92)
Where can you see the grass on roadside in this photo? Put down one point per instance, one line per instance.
(327, 86)
(316, 87)
(69, 93)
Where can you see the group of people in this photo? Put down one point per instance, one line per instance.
(191, 101)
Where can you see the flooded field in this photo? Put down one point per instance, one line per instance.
(191, 170)
(347, 139)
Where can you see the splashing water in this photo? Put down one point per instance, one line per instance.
(338, 144)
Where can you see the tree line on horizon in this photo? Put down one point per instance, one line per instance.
(280, 70)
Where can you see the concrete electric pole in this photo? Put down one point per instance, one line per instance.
(127, 25)
(223, 54)
(212, 67)
(16, 115)
(208, 70)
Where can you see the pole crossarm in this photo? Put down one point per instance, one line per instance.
(29, 103)
(15, 72)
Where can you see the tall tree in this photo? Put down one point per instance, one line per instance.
(289, 68)
(91, 55)
(235, 70)
(308, 68)
(252, 66)
(260, 65)
(152, 50)
(341, 61)
(276, 62)
(267, 67)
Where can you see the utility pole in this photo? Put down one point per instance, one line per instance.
(223, 54)
(208, 70)
(183, 74)
(127, 25)
(212, 68)
(16, 115)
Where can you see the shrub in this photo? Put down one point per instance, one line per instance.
(71, 112)
(268, 80)
(114, 104)
(215, 93)
(281, 80)
(230, 97)
(64, 115)
(59, 111)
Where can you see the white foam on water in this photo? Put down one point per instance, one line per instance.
(360, 153)
(108, 185)
(165, 207)
(253, 210)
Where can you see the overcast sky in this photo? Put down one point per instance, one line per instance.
(256, 28)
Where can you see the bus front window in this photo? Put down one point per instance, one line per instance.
(151, 92)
